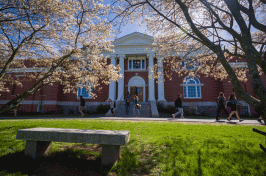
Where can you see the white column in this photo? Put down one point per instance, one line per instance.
(112, 85)
(160, 80)
(121, 80)
(151, 78)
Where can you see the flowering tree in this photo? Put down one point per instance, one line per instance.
(210, 32)
(62, 39)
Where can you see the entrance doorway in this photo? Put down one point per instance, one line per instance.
(137, 91)
(136, 86)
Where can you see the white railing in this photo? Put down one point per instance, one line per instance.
(118, 103)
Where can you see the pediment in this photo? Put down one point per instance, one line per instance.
(135, 38)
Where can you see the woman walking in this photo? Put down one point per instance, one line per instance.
(112, 106)
(221, 104)
(136, 106)
(233, 103)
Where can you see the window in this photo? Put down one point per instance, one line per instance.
(188, 65)
(137, 63)
(84, 92)
(191, 87)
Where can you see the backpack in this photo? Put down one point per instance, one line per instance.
(138, 106)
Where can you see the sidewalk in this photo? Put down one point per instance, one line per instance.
(190, 120)
(165, 119)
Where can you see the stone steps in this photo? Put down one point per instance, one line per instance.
(145, 110)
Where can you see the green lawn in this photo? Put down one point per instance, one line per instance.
(155, 148)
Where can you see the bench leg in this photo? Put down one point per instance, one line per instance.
(36, 149)
(110, 154)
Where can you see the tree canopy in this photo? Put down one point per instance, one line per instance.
(62, 39)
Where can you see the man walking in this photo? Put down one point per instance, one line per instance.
(178, 107)
(127, 103)
(82, 105)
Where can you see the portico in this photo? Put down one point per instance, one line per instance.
(135, 56)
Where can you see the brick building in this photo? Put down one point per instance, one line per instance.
(134, 55)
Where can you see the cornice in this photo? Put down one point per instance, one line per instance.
(27, 70)
(121, 55)
(150, 55)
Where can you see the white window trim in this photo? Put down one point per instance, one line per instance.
(186, 85)
(238, 64)
(138, 69)
(196, 94)
(89, 97)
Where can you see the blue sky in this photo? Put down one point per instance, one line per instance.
(130, 28)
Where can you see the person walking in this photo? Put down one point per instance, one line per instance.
(259, 114)
(233, 103)
(82, 105)
(259, 119)
(15, 110)
(136, 106)
(112, 106)
(221, 104)
(178, 107)
(127, 100)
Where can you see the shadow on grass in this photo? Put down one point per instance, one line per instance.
(214, 157)
(16, 164)
(129, 164)
(68, 162)
(134, 161)
(199, 162)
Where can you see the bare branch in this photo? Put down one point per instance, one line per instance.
(252, 18)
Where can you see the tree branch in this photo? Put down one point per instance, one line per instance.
(171, 21)
(252, 18)
(126, 9)
(230, 30)
(12, 57)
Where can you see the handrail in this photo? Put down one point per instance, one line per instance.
(118, 104)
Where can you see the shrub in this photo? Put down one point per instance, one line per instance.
(168, 109)
(102, 109)
(71, 111)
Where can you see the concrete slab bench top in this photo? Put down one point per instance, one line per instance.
(39, 140)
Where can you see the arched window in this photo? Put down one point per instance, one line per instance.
(191, 87)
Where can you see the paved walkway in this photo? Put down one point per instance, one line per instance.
(170, 119)
(191, 120)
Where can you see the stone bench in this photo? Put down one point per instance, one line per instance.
(39, 140)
